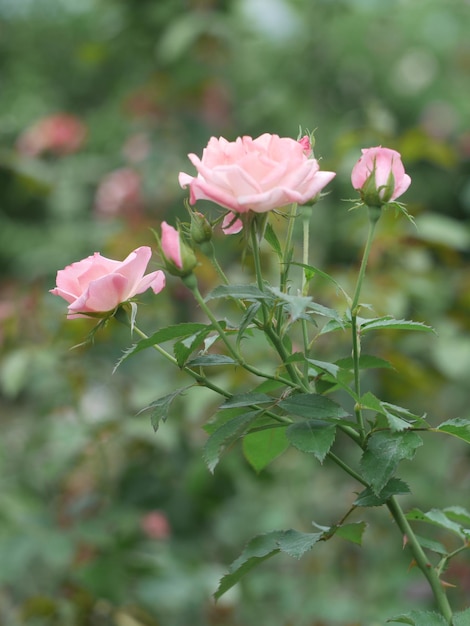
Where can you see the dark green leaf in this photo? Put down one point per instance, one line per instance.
(206, 360)
(433, 546)
(397, 417)
(296, 544)
(263, 446)
(161, 407)
(390, 323)
(247, 319)
(334, 325)
(263, 547)
(247, 399)
(420, 618)
(313, 406)
(351, 532)
(313, 437)
(227, 434)
(456, 427)
(259, 549)
(458, 514)
(238, 292)
(384, 452)
(436, 517)
(395, 486)
(462, 618)
(162, 335)
(185, 347)
(272, 240)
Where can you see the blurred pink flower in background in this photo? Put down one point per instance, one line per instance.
(119, 193)
(98, 284)
(59, 134)
(258, 175)
(155, 525)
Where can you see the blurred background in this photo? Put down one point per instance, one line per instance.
(102, 521)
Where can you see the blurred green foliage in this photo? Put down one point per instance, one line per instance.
(81, 469)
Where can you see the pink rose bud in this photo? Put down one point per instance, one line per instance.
(379, 176)
(97, 285)
(155, 525)
(256, 175)
(178, 257)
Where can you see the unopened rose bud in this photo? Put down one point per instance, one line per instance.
(379, 176)
(200, 229)
(178, 257)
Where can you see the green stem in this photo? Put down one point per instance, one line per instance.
(422, 561)
(231, 350)
(204, 381)
(287, 256)
(374, 215)
(267, 327)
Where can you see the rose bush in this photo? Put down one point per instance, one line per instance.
(379, 176)
(98, 285)
(256, 175)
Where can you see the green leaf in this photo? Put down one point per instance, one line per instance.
(296, 544)
(420, 618)
(263, 547)
(458, 514)
(227, 434)
(313, 406)
(247, 399)
(352, 532)
(259, 549)
(296, 306)
(162, 335)
(457, 427)
(433, 546)
(325, 366)
(272, 240)
(384, 452)
(263, 446)
(161, 407)
(206, 360)
(239, 292)
(395, 486)
(462, 618)
(185, 347)
(247, 319)
(390, 323)
(436, 517)
(313, 437)
(397, 417)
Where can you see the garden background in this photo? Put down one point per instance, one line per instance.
(102, 521)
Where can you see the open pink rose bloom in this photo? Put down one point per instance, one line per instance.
(98, 285)
(257, 175)
(381, 162)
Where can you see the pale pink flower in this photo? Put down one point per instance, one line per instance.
(98, 285)
(60, 134)
(155, 525)
(119, 193)
(379, 176)
(257, 175)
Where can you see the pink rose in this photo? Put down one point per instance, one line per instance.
(257, 175)
(98, 285)
(379, 176)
